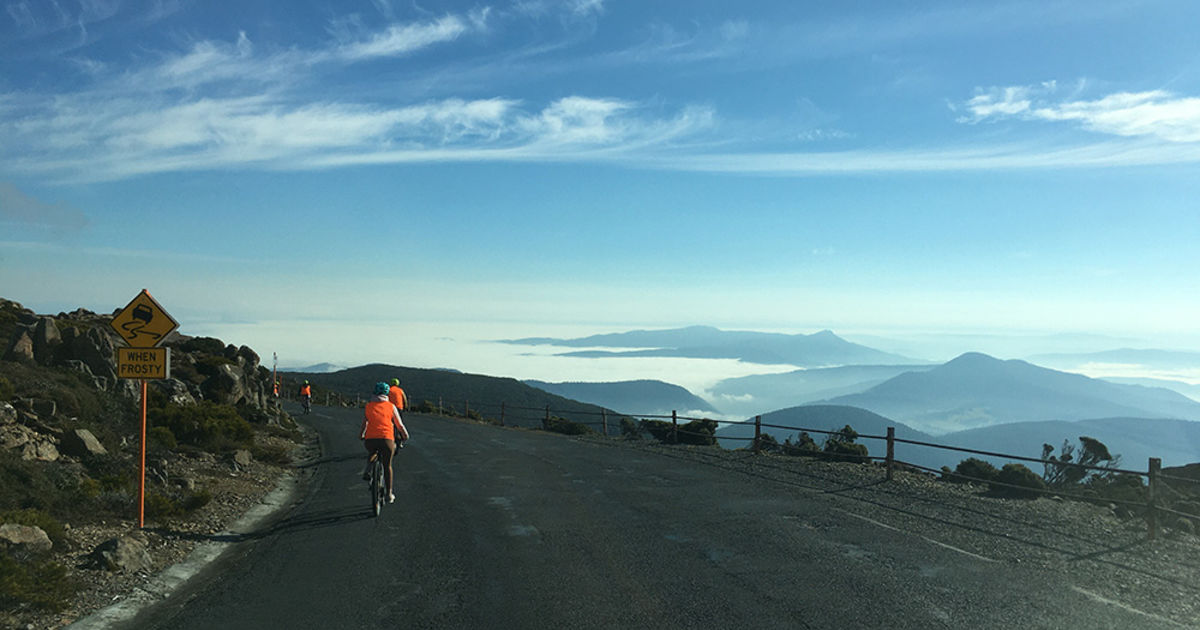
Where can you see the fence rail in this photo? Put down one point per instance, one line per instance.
(1152, 508)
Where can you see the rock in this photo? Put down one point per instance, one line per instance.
(81, 442)
(175, 390)
(224, 386)
(15, 436)
(8, 413)
(79, 366)
(122, 554)
(46, 340)
(20, 349)
(242, 459)
(24, 538)
(185, 483)
(41, 450)
(94, 348)
(1184, 525)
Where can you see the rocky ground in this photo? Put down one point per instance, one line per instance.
(235, 488)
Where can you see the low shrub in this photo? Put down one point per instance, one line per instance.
(37, 518)
(630, 429)
(205, 425)
(659, 429)
(804, 445)
(698, 433)
(1027, 483)
(840, 447)
(970, 470)
(35, 582)
(163, 437)
(562, 425)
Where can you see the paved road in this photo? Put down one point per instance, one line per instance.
(504, 528)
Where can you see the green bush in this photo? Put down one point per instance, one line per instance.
(1026, 481)
(767, 443)
(660, 429)
(840, 447)
(205, 425)
(804, 445)
(36, 583)
(163, 437)
(37, 518)
(698, 433)
(630, 429)
(562, 425)
(970, 470)
(6, 390)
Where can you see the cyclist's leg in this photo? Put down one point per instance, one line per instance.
(372, 448)
(387, 450)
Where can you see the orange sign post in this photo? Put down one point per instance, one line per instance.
(143, 325)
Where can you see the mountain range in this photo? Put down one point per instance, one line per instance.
(754, 394)
(644, 397)
(976, 390)
(821, 349)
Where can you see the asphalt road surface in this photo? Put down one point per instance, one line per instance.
(506, 528)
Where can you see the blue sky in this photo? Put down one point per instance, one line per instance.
(280, 170)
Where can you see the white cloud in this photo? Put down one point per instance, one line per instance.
(401, 39)
(1153, 114)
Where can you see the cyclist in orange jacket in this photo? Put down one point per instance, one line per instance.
(382, 424)
(397, 395)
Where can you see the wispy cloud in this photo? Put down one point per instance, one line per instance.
(16, 207)
(1152, 114)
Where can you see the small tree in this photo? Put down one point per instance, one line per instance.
(1017, 481)
(970, 470)
(1067, 468)
(840, 447)
(767, 443)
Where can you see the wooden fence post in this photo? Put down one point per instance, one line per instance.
(674, 428)
(546, 422)
(604, 421)
(501, 414)
(439, 405)
(1152, 496)
(891, 451)
(757, 434)
(467, 408)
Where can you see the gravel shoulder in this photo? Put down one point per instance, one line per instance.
(1100, 555)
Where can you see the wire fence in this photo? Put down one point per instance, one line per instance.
(1155, 505)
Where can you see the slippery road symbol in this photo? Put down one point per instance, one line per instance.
(143, 323)
(142, 316)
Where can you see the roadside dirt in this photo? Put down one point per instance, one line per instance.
(234, 488)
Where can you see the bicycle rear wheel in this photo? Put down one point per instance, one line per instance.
(377, 487)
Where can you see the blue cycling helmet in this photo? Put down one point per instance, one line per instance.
(382, 389)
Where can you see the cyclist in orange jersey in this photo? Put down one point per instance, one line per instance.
(397, 395)
(382, 424)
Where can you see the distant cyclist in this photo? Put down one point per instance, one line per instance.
(381, 424)
(397, 396)
(306, 396)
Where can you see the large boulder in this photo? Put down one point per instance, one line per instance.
(13, 435)
(20, 348)
(94, 348)
(8, 413)
(225, 386)
(46, 340)
(124, 554)
(175, 390)
(25, 538)
(81, 442)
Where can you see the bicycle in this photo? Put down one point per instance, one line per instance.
(378, 484)
(306, 402)
(378, 487)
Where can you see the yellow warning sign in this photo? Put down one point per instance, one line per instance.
(144, 363)
(143, 323)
